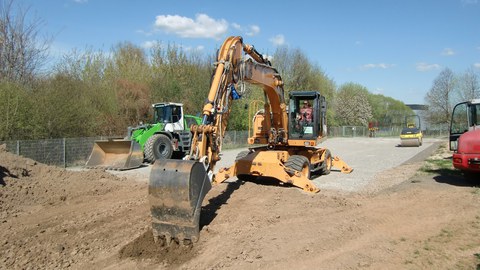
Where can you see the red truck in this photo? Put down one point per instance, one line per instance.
(465, 138)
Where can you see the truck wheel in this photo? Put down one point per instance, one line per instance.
(327, 164)
(158, 146)
(299, 163)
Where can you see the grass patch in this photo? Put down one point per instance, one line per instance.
(440, 162)
(439, 166)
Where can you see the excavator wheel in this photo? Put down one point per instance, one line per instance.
(299, 163)
(244, 177)
(327, 163)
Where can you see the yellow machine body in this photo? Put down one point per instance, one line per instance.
(288, 137)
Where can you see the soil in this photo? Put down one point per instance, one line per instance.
(409, 217)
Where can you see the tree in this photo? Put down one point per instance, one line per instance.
(22, 52)
(298, 73)
(468, 86)
(352, 106)
(440, 98)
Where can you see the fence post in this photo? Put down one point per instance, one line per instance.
(64, 153)
(18, 148)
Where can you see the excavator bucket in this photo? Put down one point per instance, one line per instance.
(176, 191)
(115, 154)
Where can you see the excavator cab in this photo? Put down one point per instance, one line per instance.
(307, 116)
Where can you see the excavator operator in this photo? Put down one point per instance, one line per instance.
(306, 112)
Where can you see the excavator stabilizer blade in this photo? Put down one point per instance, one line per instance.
(115, 154)
(175, 192)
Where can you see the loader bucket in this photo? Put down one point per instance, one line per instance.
(116, 154)
(175, 193)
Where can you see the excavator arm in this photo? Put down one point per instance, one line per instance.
(178, 187)
(231, 70)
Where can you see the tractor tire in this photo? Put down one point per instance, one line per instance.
(327, 164)
(158, 146)
(299, 163)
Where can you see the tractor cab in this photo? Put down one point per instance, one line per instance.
(170, 114)
(306, 118)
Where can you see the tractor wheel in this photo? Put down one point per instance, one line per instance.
(327, 164)
(158, 146)
(299, 163)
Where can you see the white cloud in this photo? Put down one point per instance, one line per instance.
(358, 43)
(476, 65)
(251, 30)
(237, 26)
(380, 65)
(80, 1)
(202, 27)
(448, 52)
(422, 66)
(278, 40)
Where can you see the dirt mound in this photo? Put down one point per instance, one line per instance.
(26, 182)
(53, 218)
(46, 211)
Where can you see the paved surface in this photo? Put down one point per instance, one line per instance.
(367, 156)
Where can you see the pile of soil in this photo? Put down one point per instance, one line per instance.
(51, 217)
(56, 218)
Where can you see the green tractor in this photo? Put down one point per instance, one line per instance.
(168, 137)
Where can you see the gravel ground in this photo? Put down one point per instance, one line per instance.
(367, 156)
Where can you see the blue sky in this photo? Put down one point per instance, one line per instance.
(394, 48)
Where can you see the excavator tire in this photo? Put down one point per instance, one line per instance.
(175, 193)
(158, 146)
(244, 177)
(327, 164)
(299, 163)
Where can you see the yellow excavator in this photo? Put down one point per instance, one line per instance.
(288, 139)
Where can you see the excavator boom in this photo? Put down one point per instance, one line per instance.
(178, 187)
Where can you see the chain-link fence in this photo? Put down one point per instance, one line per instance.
(65, 152)
(70, 152)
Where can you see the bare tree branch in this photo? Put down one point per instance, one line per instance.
(22, 52)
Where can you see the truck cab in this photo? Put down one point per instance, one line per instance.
(465, 137)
